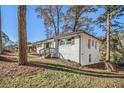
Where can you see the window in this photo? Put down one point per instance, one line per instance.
(92, 42)
(62, 43)
(89, 43)
(39, 45)
(95, 45)
(70, 41)
(47, 45)
(89, 57)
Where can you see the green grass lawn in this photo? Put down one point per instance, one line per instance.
(59, 73)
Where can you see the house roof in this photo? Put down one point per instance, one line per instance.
(38, 42)
(77, 33)
(67, 34)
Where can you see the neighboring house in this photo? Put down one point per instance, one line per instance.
(13, 48)
(79, 47)
(31, 48)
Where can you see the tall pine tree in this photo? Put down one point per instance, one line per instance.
(22, 35)
(108, 21)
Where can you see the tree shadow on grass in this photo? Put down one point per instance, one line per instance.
(69, 69)
(5, 59)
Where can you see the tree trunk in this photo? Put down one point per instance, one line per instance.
(56, 47)
(22, 35)
(107, 64)
(0, 32)
(74, 28)
(108, 38)
(56, 40)
(57, 22)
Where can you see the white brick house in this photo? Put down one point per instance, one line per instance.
(80, 47)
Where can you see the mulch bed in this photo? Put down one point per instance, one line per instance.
(100, 66)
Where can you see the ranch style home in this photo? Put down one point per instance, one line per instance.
(79, 47)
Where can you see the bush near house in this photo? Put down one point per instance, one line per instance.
(116, 50)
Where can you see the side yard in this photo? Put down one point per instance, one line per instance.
(54, 73)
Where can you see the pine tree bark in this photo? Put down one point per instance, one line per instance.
(22, 35)
(0, 32)
(107, 63)
(108, 38)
